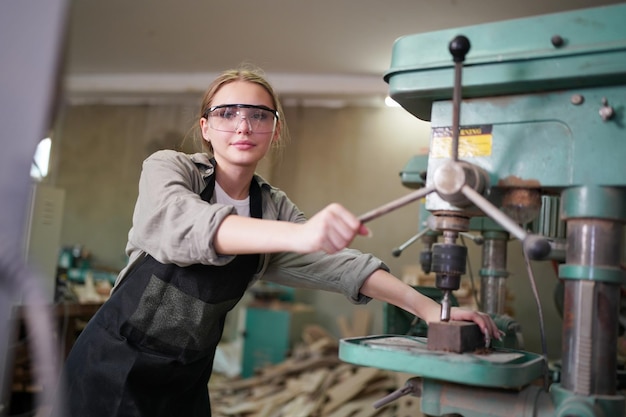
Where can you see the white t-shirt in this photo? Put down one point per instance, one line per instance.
(242, 206)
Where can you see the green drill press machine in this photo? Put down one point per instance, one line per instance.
(522, 112)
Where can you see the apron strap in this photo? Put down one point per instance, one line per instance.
(256, 201)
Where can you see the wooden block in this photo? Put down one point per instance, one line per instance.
(455, 336)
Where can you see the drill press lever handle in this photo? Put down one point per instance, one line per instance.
(398, 251)
(537, 247)
(459, 47)
(395, 204)
(412, 387)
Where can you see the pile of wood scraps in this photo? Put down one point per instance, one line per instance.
(312, 382)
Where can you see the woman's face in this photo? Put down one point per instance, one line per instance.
(239, 135)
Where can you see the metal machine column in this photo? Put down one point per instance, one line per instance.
(593, 277)
(493, 272)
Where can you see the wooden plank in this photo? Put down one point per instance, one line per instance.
(363, 407)
(348, 389)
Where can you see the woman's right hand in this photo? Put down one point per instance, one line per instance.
(331, 230)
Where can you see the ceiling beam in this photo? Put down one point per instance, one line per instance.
(299, 85)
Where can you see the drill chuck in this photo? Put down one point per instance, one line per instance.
(448, 264)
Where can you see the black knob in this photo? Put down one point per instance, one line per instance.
(557, 41)
(537, 247)
(459, 47)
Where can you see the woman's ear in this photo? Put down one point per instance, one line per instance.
(276, 135)
(204, 128)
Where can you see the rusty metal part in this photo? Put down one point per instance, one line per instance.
(455, 336)
(513, 181)
(522, 204)
(522, 197)
(448, 220)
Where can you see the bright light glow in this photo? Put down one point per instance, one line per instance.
(389, 102)
(39, 168)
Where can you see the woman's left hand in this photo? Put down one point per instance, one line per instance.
(484, 321)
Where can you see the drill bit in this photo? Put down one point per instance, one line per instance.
(446, 305)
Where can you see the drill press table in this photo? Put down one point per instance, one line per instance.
(501, 368)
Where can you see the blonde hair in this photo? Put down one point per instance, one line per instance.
(249, 74)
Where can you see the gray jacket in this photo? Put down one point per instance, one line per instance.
(174, 225)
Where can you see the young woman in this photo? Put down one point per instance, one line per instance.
(205, 228)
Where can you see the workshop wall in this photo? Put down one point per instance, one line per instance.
(97, 155)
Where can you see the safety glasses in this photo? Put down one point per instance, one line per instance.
(228, 117)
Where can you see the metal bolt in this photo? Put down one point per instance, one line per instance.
(606, 111)
(577, 99)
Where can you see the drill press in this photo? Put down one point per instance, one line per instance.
(542, 103)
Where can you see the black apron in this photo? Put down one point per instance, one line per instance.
(149, 349)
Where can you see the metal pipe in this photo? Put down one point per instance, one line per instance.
(492, 295)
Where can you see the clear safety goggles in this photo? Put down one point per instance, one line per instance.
(227, 117)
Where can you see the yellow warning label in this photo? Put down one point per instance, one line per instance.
(473, 141)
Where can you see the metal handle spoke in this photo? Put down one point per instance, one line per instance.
(396, 204)
(492, 211)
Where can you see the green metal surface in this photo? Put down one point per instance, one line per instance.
(613, 275)
(267, 339)
(570, 404)
(271, 332)
(511, 57)
(538, 140)
(549, 223)
(595, 202)
(410, 355)
(413, 173)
